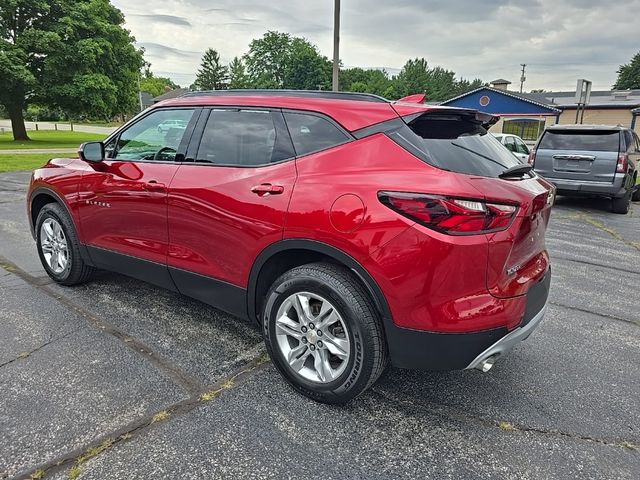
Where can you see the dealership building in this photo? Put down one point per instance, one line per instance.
(527, 114)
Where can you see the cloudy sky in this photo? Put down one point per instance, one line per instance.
(559, 40)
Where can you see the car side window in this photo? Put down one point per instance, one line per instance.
(521, 147)
(312, 133)
(155, 137)
(630, 141)
(244, 138)
(110, 147)
(510, 143)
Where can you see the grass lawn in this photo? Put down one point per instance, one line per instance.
(48, 139)
(27, 161)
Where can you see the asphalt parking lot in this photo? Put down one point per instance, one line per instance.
(117, 379)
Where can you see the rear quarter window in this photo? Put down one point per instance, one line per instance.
(596, 140)
(457, 143)
(312, 133)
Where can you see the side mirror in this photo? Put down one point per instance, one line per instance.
(92, 151)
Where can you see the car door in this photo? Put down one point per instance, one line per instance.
(522, 151)
(123, 208)
(229, 202)
(510, 143)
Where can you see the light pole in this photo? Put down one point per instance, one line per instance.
(336, 45)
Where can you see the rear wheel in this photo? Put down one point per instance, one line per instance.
(636, 194)
(622, 204)
(323, 333)
(59, 248)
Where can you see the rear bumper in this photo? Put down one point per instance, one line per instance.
(422, 350)
(579, 187)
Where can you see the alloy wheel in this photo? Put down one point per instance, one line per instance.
(312, 337)
(53, 243)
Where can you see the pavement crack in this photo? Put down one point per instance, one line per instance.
(457, 413)
(27, 354)
(594, 264)
(182, 378)
(597, 314)
(75, 459)
(585, 217)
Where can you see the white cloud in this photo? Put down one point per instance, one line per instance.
(559, 40)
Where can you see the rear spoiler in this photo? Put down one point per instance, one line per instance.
(480, 118)
(416, 98)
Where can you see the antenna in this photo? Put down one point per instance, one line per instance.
(522, 77)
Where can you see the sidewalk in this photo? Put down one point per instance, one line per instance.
(38, 150)
(6, 125)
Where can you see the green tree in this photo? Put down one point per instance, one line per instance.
(305, 68)
(212, 75)
(438, 83)
(238, 77)
(368, 81)
(629, 74)
(69, 54)
(463, 86)
(267, 59)
(413, 78)
(156, 86)
(279, 60)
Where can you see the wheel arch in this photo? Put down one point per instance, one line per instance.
(286, 254)
(40, 197)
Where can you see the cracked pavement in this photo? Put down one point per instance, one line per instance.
(118, 379)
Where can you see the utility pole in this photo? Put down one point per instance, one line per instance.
(336, 45)
(522, 77)
(140, 93)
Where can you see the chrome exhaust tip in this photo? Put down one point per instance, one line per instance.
(485, 365)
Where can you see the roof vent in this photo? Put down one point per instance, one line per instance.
(621, 94)
(500, 84)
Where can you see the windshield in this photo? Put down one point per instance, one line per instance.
(593, 140)
(458, 143)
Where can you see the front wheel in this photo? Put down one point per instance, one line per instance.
(323, 333)
(59, 247)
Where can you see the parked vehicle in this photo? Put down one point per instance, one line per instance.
(515, 145)
(171, 123)
(590, 160)
(354, 230)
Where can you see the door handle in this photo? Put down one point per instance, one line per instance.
(267, 189)
(153, 186)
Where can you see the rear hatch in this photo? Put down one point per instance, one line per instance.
(459, 142)
(578, 154)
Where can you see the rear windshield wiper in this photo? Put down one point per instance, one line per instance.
(477, 153)
(516, 171)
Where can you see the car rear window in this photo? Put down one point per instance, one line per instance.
(458, 143)
(593, 140)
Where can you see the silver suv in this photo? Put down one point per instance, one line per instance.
(590, 160)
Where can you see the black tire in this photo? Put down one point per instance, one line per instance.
(368, 352)
(76, 270)
(621, 205)
(636, 194)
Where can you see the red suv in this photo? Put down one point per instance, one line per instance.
(353, 229)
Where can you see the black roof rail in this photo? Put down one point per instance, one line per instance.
(362, 97)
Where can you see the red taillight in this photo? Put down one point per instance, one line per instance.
(453, 216)
(623, 163)
(532, 157)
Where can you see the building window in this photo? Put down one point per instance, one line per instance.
(525, 128)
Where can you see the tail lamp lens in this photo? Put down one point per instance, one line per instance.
(453, 216)
(532, 157)
(623, 163)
